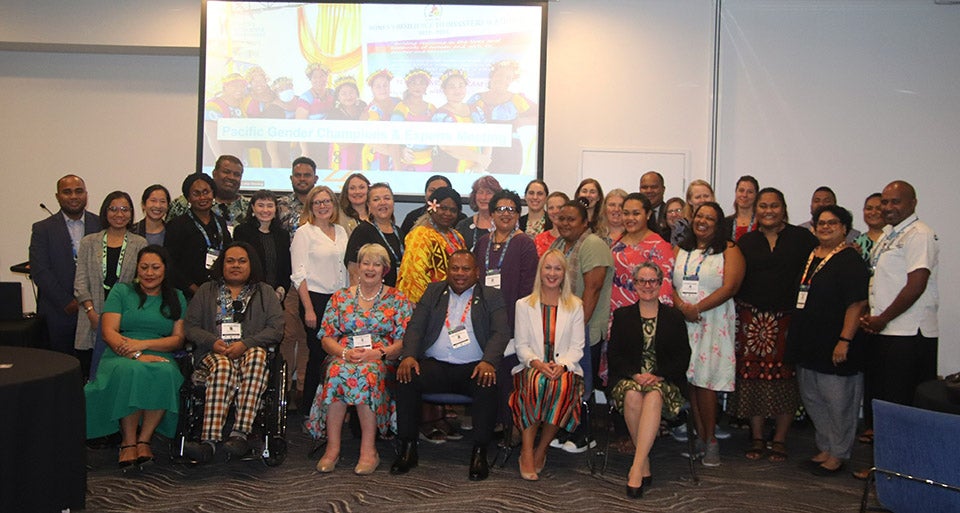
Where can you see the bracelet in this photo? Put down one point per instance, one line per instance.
(343, 354)
(845, 339)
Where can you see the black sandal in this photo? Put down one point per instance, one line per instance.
(126, 463)
(144, 460)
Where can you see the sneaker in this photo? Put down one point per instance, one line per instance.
(679, 433)
(699, 448)
(556, 443)
(579, 446)
(711, 458)
(720, 433)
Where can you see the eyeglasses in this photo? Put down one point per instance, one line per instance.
(652, 282)
(828, 222)
(322, 202)
(675, 210)
(505, 210)
(122, 210)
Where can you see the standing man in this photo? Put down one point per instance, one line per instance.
(53, 262)
(454, 343)
(228, 203)
(651, 186)
(294, 347)
(822, 197)
(903, 298)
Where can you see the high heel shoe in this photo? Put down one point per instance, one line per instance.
(362, 470)
(646, 481)
(527, 476)
(144, 460)
(634, 493)
(327, 466)
(542, 464)
(123, 464)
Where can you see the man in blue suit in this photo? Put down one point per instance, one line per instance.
(53, 256)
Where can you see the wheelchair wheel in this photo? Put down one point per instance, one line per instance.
(275, 451)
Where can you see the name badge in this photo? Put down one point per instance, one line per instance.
(212, 255)
(493, 279)
(364, 341)
(459, 337)
(230, 331)
(802, 296)
(690, 286)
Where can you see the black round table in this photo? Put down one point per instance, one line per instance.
(42, 431)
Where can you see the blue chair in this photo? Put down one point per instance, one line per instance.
(916, 460)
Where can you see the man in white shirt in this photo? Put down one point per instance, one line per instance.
(903, 298)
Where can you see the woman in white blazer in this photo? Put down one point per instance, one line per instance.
(548, 382)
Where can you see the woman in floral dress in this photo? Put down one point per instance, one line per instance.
(363, 329)
(775, 255)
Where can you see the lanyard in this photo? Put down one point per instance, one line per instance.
(806, 279)
(227, 310)
(396, 259)
(454, 239)
(687, 261)
(750, 227)
(503, 252)
(204, 232)
(463, 317)
(103, 260)
(889, 240)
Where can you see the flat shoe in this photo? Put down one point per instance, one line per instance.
(327, 466)
(862, 475)
(362, 470)
(822, 471)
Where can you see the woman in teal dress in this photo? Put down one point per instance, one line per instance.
(362, 334)
(138, 382)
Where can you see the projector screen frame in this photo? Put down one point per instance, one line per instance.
(407, 195)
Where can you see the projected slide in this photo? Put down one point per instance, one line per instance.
(395, 91)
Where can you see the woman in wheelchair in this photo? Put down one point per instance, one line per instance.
(362, 333)
(138, 381)
(230, 319)
(649, 353)
(548, 382)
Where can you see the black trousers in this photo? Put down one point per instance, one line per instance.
(441, 377)
(902, 364)
(313, 376)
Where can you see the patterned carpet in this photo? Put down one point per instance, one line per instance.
(440, 483)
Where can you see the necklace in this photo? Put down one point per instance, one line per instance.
(365, 298)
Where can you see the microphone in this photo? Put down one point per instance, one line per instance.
(45, 208)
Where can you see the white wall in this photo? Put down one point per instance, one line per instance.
(85, 92)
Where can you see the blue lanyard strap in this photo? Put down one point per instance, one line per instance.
(503, 252)
(396, 232)
(687, 261)
(213, 218)
(103, 261)
(888, 241)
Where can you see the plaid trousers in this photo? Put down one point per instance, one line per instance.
(242, 380)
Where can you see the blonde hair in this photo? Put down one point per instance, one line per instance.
(307, 216)
(687, 209)
(376, 252)
(567, 300)
(603, 228)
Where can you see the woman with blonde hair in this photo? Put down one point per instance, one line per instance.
(698, 193)
(610, 220)
(316, 256)
(548, 382)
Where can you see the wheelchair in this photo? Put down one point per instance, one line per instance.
(269, 428)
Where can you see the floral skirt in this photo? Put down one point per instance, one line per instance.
(367, 383)
(672, 399)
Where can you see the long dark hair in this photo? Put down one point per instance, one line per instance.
(718, 243)
(169, 300)
(256, 268)
(592, 218)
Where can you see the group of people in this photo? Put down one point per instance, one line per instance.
(252, 95)
(658, 302)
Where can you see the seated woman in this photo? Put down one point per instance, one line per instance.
(230, 319)
(363, 331)
(138, 382)
(648, 371)
(548, 383)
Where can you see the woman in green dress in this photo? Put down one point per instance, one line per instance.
(648, 354)
(138, 381)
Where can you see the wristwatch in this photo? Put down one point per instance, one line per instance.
(137, 355)
(383, 354)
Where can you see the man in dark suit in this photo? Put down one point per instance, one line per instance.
(651, 186)
(53, 256)
(453, 343)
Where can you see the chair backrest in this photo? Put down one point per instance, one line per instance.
(920, 443)
(446, 398)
